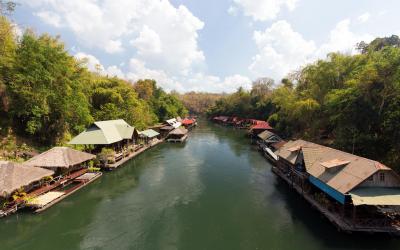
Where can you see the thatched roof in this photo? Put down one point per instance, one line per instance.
(14, 176)
(59, 157)
(179, 131)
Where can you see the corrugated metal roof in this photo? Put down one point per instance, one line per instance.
(104, 133)
(376, 196)
(187, 121)
(286, 152)
(342, 178)
(174, 122)
(265, 135)
(149, 133)
(261, 125)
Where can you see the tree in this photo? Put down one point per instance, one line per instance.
(165, 105)
(45, 89)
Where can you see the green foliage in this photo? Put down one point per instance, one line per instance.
(106, 155)
(351, 102)
(113, 98)
(48, 96)
(164, 105)
(255, 103)
(46, 93)
(199, 102)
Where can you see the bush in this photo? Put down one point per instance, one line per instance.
(107, 155)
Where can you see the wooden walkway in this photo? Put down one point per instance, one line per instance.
(342, 224)
(132, 155)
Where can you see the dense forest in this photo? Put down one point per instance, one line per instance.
(351, 102)
(47, 95)
(198, 102)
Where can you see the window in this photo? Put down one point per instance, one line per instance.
(382, 177)
(371, 178)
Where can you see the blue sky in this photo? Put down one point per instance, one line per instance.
(207, 45)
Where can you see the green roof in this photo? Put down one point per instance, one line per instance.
(104, 133)
(149, 133)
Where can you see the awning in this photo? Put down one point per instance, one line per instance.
(149, 133)
(376, 196)
(272, 154)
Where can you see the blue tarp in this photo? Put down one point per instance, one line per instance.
(327, 189)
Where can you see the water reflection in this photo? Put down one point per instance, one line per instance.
(212, 192)
(165, 183)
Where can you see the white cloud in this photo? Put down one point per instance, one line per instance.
(233, 10)
(114, 71)
(342, 39)
(93, 64)
(50, 18)
(113, 46)
(282, 50)
(162, 38)
(138, 70)
(90, 61)
(148, 42)
(192, 82)
(364, 17)
(165, 36)
(263, 10)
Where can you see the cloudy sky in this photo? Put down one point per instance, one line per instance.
(207, 45)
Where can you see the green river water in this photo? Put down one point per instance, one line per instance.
(213, 192)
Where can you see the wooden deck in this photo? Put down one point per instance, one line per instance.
(341, 223)
(21, 203)
(131, 155)
(81, 181)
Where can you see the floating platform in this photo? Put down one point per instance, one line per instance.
(342, 224)
(182, 139)
(47, 200)
(132, 155)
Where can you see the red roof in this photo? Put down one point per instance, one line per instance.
(261, 125)
(188, 121)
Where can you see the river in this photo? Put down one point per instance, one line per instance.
(213, 192)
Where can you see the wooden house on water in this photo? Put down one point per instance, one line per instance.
(71, 173)
(150, 137)
(269, 143)
(354, 193)
(259, 127)
(266, 138)
(115, 134)
(178, 135)
(19, 180)
(169, 125)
